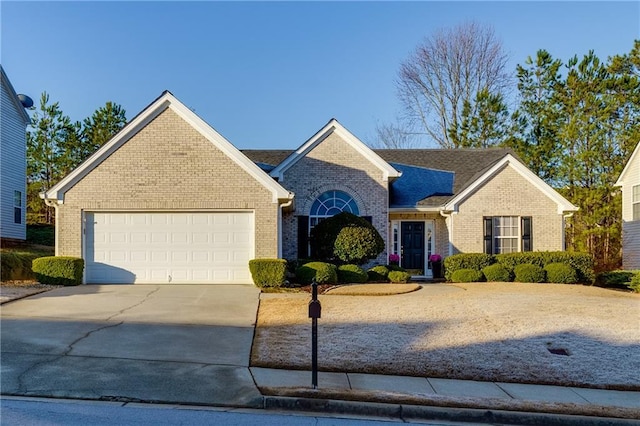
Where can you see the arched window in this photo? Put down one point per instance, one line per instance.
(329, 204)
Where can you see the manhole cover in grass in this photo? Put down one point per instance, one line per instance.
(558, 351)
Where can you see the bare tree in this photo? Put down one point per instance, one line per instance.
(446, 70)
(394, 136)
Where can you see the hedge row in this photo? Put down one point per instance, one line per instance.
(560, 267)
(273, 273)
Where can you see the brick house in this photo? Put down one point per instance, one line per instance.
(168, 199)
(629, 182)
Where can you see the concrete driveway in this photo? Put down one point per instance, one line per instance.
(169, 343)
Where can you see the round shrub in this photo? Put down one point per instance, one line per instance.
(396, 268)
(399, 276)
(324, 273)
(357, 244)
(466, 276)
(561, 273)
(352, 274)
(58, 270)
(378, 273)
(496, 272)
(323, 236)
(528, 273)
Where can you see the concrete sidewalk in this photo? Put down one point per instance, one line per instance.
(450, 393)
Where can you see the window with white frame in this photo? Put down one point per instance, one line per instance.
(507, 234)
(17, 207)
(635, 202)
(330, 204)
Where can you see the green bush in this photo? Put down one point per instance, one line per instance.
(476, 261)
(357, 244)
(581, 262)
(466, 276)
(399, 276)
(15, 263)
(378, 273)
(323, 236)
(496, 272)
(634, 284)
(396, 268)
(352, 274)
(324, 273)
(268, 272)
(529, 273)
(614, 279)
(58, 270)
(561, 273)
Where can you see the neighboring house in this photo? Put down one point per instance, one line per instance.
(629, 181)
(168, 199)
(13, 163)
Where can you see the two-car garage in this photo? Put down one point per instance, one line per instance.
(169, 247)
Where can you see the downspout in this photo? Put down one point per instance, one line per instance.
(564, 229)
(54, 204)
(279, 224)
(449, 222)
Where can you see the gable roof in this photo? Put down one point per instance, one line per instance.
(452, 174)
(334, 127)
(635, 156)
(166, 101)
(14, 97)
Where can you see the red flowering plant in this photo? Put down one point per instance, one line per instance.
(394, 259)
(435, 258)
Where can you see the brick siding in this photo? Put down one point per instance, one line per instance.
(168, 165)
(507, 194)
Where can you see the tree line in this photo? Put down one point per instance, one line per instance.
(574, 123)
(56, 145)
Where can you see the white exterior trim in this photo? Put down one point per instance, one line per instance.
(166, 100)
(14, 97)
(333, 126)
(634, 154)
(509, 160)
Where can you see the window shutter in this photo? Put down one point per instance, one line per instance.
(368, 218)
(488, 235)
(303, 237)
(526, 233)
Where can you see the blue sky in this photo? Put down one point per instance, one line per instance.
(270, 74)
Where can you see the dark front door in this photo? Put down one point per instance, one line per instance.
(412, 245)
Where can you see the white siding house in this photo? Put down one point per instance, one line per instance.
(13, 163)
(629, 181)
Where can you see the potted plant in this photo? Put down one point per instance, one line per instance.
(436, 265)
(394, 259)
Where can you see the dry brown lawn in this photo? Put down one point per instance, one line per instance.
(479, 331)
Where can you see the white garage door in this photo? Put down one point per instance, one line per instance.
(169, 247)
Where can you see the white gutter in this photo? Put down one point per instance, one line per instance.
(280, 209)
(448, 220)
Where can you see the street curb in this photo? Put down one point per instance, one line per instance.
(418, 412)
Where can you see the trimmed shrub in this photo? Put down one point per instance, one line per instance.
(324, 273)
(475, 261)
(396, 268)
(352, 274)
(634, 284)
(378, 273)
(529, 273)
(58, 270)
(399, 276)
(357, 244)
(268, 272)
(496, 272)
(323, 236)
(581, 262)
(561, 273)
(615, 279)
(466, 276)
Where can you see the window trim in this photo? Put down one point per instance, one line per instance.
(17, 207)
(524, 240)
